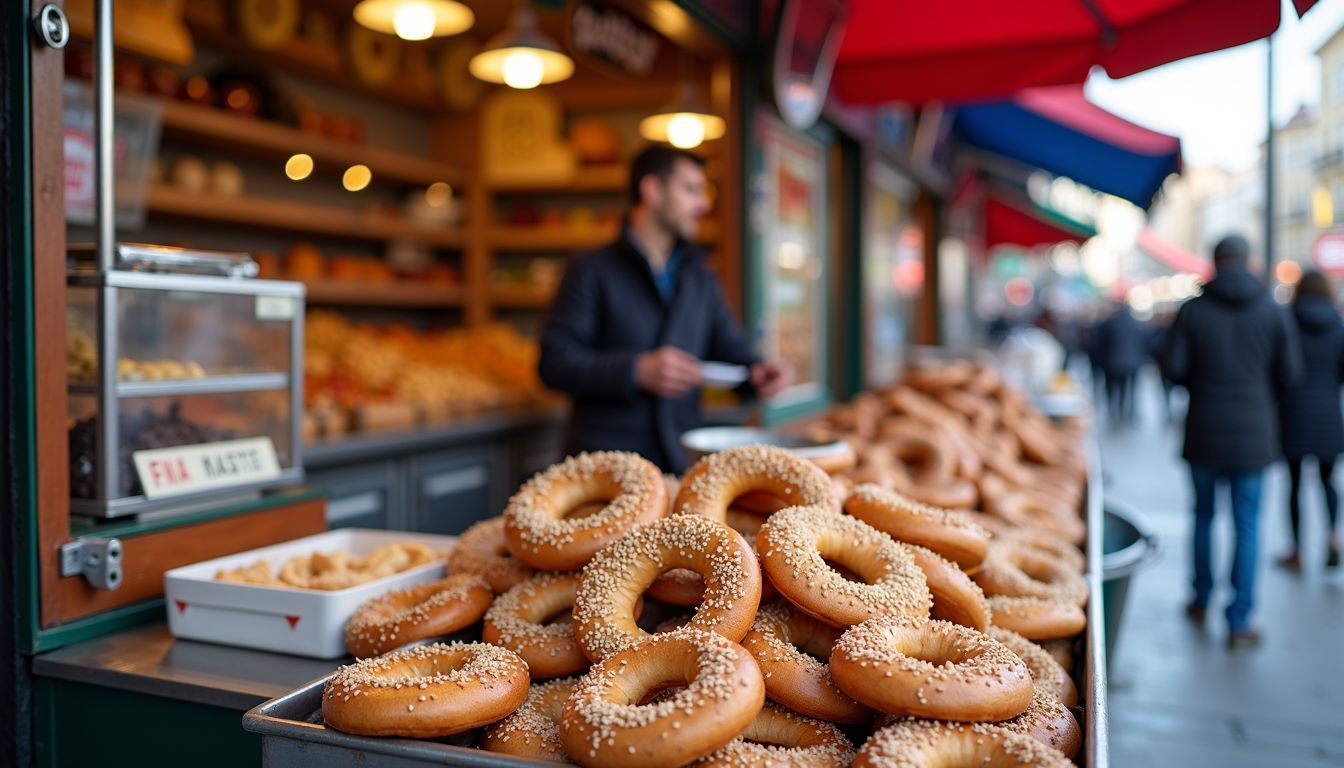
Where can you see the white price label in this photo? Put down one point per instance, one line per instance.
(183, 469)
(275, 308)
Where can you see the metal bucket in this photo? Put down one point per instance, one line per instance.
(1128, 545)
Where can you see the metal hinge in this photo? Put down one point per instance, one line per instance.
(98, 560)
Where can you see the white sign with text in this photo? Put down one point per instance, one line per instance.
(191, 468)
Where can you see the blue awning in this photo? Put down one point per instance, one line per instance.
(1059, 131)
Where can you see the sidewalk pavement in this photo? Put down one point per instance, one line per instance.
(1177, 696)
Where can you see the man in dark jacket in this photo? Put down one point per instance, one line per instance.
(1231, 348)
(632, 321)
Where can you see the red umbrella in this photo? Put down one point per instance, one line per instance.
(977, 49)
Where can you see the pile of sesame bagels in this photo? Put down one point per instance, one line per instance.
(759, 611)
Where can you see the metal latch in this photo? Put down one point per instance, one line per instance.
(98, 560)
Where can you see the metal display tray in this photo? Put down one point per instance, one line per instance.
(293, 736)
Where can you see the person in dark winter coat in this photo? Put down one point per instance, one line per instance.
(1311, 420)
(631, 322)
(1122, 346)
(1232, 348)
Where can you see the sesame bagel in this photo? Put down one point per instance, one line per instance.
(1047, 673)
(533, 730)
(604, 725)
(415, 613)
(795, 544)
(616, 578)
(717, 480)
(778, 737)
(425, 692)
(1037, 618)
(931, 744)
(1034, 510)
(1050, 722)
(788, 645)
(956, 597)
(535, 523)
(950, 533)
(483, 550)
(516, 621)
(1014, 571)
(932, 669)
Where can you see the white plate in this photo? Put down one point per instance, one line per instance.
(714, 374)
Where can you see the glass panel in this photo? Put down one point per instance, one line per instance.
(794, 241)
(171, 335)
(81, 340)
(83, 446)
(163, 422)
(893, 275)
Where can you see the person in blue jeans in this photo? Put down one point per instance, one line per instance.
(1233, 348)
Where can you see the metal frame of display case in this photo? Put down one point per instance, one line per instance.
(110, 391)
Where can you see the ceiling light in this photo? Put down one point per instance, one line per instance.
(685, 123)
(521, 56)
(415, 19)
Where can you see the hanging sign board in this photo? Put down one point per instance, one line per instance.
(807, 41)
(612, 39)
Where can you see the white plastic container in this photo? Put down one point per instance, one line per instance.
(304, 622)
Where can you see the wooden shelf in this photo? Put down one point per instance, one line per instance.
(397, 294)
(560, 240)
(555, 239)
(521, 297)
(227, 131)
(302, 57)
(289, 216)
(602, 178)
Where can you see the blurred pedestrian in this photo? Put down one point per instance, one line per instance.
(1123, 348)
(1160, 328)
(1232, 348)
(1312, 422)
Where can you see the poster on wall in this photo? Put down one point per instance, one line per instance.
(893, 274)
(792, 222)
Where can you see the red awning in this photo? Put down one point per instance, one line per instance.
(978, 49)
(1173, 255)
(1008, 223)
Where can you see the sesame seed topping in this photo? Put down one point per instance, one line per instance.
(605, 625)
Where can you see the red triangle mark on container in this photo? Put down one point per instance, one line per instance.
(181, 606)
(293, 621)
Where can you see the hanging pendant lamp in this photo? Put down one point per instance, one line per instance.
(415, 19)
(521, 56)
(686, 123)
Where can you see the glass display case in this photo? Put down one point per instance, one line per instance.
(207, 365)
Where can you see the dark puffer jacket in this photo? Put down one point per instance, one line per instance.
(607, 311)
(1233, 349)
(1310, 412)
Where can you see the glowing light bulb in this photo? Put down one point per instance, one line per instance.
(438, 194)
(413, 21)
(299, 167)
(685, 131)
(356, 177)
(522, 69)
